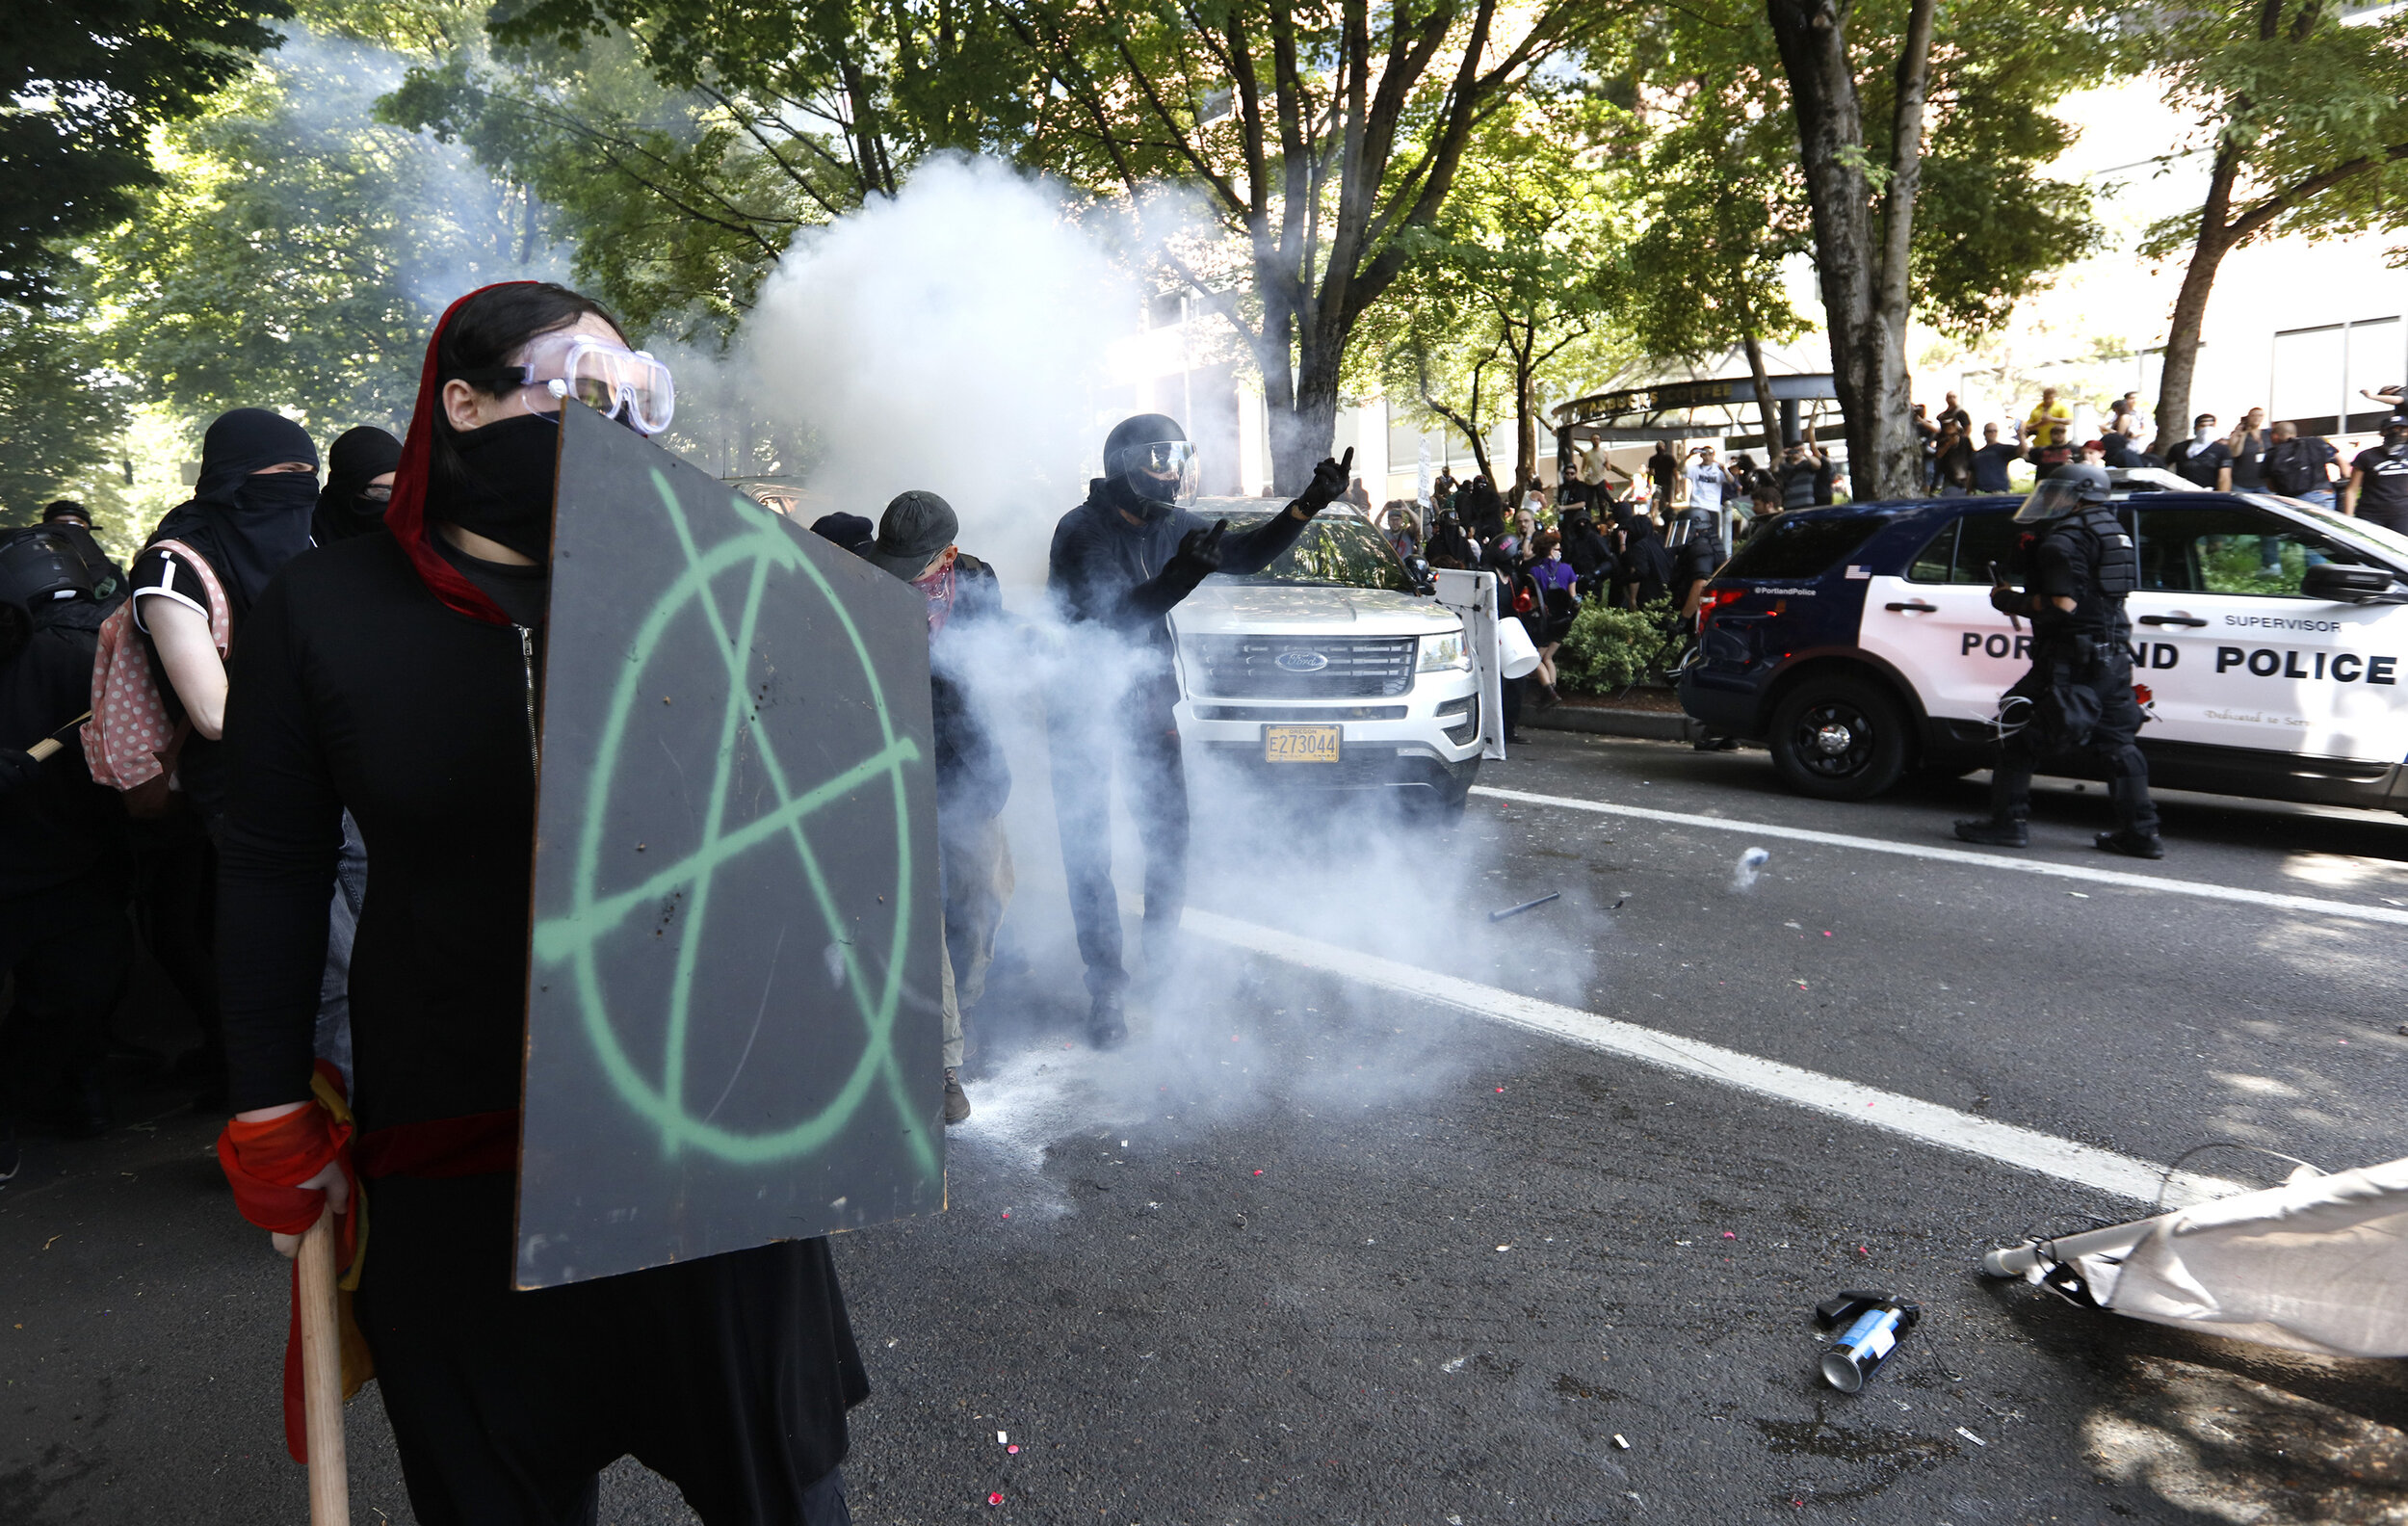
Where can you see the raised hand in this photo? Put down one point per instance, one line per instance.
(1329, 479)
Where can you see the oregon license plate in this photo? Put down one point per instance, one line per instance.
(1301, 744)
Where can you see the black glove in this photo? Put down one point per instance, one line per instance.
(1329, 479)
(1199, 558)
(17, 770)
(2010, 601)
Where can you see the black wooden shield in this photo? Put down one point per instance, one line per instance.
(733, 1026)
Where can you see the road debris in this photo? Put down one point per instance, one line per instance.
(1743, 877)
(1970, 1436)
(1455, 1365)
(1871, 1325)
(1517, 911)
(1618, 1441)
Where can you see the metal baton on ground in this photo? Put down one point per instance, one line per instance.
(322, 1376)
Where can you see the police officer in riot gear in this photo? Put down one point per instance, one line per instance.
(2077, 696)
(1119, 563)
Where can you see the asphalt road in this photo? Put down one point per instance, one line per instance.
(1307, 1251)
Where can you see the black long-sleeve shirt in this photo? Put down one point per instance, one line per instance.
(62, 824)
(353, 686)
(1104, 568)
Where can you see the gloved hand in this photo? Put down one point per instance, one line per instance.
(2010, 601)
(1199, 558)
(17, 770)
(1329, 479)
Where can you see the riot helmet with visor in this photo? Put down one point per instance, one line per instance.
(1151, 457)
(2063, 492)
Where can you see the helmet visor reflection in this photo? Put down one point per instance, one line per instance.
(1165, 471)
(2049, 500)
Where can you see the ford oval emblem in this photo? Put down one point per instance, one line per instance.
(1301, 662)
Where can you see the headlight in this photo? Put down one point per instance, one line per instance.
(1442, 653)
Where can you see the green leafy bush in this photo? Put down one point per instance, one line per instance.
(1611, 649)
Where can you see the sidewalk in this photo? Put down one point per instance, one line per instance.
(1652, 714)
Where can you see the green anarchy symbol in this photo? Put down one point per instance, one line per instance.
(572, 937)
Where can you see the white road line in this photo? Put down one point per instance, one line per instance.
(2027, 1149)
(2204, 889)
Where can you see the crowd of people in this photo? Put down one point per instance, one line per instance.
(2252, 456)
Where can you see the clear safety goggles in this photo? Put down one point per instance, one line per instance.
(612, 379)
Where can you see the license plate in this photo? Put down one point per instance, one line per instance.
(1301, 744)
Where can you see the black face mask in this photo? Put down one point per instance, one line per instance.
(505, 492)
(279, 493)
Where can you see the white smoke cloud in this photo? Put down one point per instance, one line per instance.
(957, 339)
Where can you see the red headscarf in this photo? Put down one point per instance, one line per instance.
(405, 517)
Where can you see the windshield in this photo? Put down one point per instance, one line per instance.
(1335, 551)
(2382, 538)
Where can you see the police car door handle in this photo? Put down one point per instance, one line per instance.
(1917, 605)
(2170, 619)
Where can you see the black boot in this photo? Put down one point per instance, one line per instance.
(1107, 1022)
(1994, 831)
(2136, 833)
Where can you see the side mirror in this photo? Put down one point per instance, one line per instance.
(2346, 585)
(1418, 569)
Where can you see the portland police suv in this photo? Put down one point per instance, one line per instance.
(1858, 641)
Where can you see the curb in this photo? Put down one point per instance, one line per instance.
(1653, 725)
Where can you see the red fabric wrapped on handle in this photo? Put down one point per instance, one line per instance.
(266, 1163)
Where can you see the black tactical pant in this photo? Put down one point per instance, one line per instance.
(2106, 670)
(71, 953)
(1142, 740)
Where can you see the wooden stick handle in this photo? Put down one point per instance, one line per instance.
(50, 744)
(322, 1377)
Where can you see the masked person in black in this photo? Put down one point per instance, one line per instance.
(1694, 560)
(247, 516)
(1121, 561)
(2077, 696)
(63, 846)
(397, 675)
(915, 542)
(73, 520)
(360, 485)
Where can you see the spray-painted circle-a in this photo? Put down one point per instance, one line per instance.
(763, 551)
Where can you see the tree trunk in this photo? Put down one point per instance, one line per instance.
(1863, 279)
(1766, 408)
(2190, 306)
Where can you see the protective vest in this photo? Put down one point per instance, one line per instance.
(2106, 565)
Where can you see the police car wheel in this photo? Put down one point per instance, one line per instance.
(1839, 739)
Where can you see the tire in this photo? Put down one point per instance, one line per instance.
(1838, 738)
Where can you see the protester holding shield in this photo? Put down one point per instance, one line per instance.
(398, 676)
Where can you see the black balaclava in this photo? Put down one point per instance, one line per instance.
(356, 459)
(1146, 429)
(502, 490)
(248, 525)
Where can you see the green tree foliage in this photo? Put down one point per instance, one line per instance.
(2305, 119)
(1508, 298)
(1725, 179)
(85, 83)
(682, 145)
(59, 411)
(299, 250)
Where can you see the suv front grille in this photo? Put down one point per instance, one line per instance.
(1252, 668)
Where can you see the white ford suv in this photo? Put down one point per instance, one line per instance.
(1330, 668)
